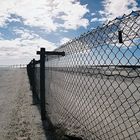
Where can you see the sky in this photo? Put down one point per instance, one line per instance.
(28, 25)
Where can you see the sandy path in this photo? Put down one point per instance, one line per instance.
(19, 119)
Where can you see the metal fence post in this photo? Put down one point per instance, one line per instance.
(31, 74)
(42, 83)
(33, 82)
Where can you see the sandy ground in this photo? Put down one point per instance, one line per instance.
(19, 119)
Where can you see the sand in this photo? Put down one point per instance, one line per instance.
(19, 119)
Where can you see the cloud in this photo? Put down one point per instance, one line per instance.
(117, 8)
(24, 46)
(26, 34)
(93, 14)
(94, 19)
(1, 36)
(64, 40)
(14, 20)
(72, 14)
(49, 15)
(45, 14)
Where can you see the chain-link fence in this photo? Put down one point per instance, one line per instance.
(93, 92)
(33, 71)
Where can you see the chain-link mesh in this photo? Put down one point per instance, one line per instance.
(93, 92)
(37, 80)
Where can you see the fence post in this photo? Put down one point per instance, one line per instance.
(31, 74)
(33, 82)
(42, 83)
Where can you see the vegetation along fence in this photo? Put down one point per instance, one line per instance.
(90, 86)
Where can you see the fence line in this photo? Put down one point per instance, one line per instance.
(92, 83)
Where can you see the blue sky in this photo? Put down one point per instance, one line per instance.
(28, 25)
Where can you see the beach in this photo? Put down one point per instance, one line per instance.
(19, 118)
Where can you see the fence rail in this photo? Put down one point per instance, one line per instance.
(92, 91)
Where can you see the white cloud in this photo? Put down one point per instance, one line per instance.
(103, 19)
(0, 35)
(26, 34)
(72, 13)
(64, 40)
(49, 15)
(94, 19)
(116, 8)
(43, 13)
(23, 47)
(93, 14)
